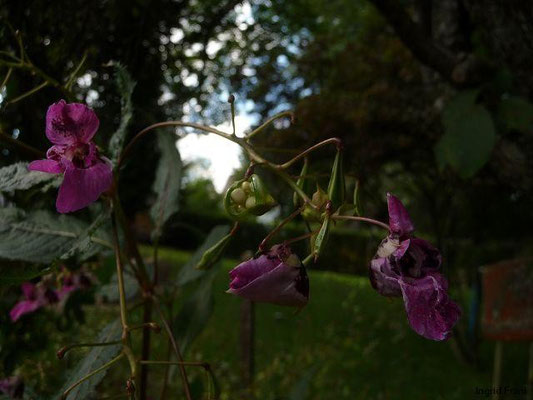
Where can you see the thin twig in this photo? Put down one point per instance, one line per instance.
(268, 122)
(267, 238)
(361, 219)
(175, 347)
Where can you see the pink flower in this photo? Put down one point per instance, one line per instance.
(70, 127)
(37, 296)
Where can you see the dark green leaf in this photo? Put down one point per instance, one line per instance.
(125, 85)
(469, 136)
(167, 182)
(195, 312)
(97, 357)
(517, 113)
(18, 177)
(188, 272)
(41, 236)
(12, 273)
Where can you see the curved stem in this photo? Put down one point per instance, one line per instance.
(175, 347)
(293, 215)
(362, 219)
(62, 351)
(268, 122)
(289, 182)
(287, 164)
(102, 368)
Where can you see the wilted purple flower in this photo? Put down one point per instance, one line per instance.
(12, 387)
(37, 296)
(70, 127)
(408, 266)
(276, 276)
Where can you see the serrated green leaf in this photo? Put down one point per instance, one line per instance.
(469, 136)
(41, 236)
(125, 86)
(517, 113)
(167, 182)
(188, 272)
(18, 177)
(97, 357)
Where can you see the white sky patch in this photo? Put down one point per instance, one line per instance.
(222, 155)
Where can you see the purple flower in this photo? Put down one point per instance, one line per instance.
(36, 296)
(408, 266)
(276, 276)
(70, 127)
(13, 387)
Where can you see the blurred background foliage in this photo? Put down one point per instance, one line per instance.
(431, 98)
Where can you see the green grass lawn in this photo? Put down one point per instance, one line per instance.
(348, 343)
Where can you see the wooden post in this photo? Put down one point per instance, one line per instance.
(247, 347)
(497, 372)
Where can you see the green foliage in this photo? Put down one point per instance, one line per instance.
(13, 273)
(96, 357)
(469, 136)
(195, 312)
(188, 273)
(18, 177)
(517, 113)
(167, 182)
(125, 86)
(43, 237)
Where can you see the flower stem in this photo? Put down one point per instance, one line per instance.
(301, 237)
(267, 238)
(362, 219)
(62, 351)
(23, 146)
(102, 368)
(175, 348)
(268, 122)
(287, 164)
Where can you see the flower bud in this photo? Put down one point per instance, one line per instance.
(319, 200)
(214, 253)
(336, 187)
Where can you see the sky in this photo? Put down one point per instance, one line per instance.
(218, 156)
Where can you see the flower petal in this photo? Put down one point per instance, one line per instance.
(29, 290)
(286, 286)
(430, 311)
(24, 307)
(383, 277)
(48, 166)
(70, 123)
(82, 187)
(399, 220)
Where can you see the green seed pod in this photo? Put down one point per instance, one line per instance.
(322, 236)
(214, 253)
(263, 200)
(297, 200)
(248, 197)
(336, 187)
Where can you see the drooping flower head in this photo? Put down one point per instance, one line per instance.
(70, 127)
(408, 266)
(276, 276)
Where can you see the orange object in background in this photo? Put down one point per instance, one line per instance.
(508, 300)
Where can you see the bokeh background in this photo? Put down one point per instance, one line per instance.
(432, 100)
